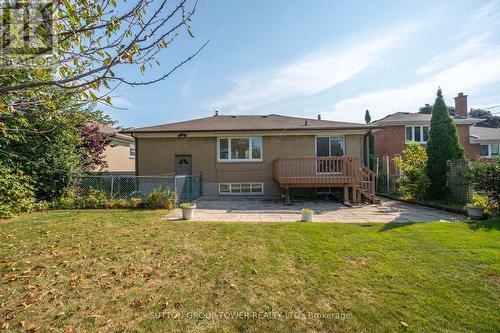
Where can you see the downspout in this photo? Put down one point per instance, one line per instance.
(366, 147)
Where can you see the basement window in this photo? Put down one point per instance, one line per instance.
(241, 188)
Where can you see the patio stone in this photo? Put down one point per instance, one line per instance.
(267, 210)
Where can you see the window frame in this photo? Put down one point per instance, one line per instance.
(421, 139)
(250, 149)
(130, 149)
(329, 144)
(230, 186)
(490, 155)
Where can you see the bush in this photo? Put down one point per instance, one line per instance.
(414, 181)
(93, 199)
(479, 200)
(161, 199)
(17, 194)
(485, 177)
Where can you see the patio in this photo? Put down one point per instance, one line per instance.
(273, 210)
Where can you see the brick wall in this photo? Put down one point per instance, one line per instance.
(472, 151)
(391, 141)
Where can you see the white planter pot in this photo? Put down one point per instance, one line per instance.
(475, 213)
(188, 213)
(307, 216)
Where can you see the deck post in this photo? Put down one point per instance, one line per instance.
(346, 193)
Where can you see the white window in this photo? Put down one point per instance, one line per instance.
(417, 133)
(131, 149)
(239, 149)
(327, 146)
(241, 188)
(489, 150)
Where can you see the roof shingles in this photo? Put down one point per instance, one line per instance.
(248, 123)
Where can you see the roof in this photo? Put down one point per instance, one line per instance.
(272, 122)
(399, 118)
(115, 133)
(485, 134)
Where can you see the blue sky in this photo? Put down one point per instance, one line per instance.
(334, 58)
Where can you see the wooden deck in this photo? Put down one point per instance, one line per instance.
(345, 172)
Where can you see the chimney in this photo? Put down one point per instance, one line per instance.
(461, 105)
(216, 113)
(319, 117)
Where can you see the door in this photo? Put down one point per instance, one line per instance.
(183, 164)
(329, 147)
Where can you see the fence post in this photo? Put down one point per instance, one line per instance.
(112, 180)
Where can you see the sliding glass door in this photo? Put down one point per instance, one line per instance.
(329, 146)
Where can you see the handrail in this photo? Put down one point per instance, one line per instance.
(314, 167)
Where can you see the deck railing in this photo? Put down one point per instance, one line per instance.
(325, 171)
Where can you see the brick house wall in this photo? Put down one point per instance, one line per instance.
(391, 141)
(472, 150)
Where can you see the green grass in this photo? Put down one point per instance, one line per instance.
(130, 271)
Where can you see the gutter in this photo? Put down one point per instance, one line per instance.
(257, 130)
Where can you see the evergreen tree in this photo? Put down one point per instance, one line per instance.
(368, 118)
(371, 143)
(443, 145)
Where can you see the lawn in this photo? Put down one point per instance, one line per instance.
(130, 271)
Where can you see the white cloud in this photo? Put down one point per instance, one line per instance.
(122, 102)
(440, 61)
(474, 64)
(308, 75)
(485, 18)
(468, 76)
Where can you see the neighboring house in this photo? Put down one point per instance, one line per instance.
(259, 155)
(401, 127)
(488, 140)
(120, 154)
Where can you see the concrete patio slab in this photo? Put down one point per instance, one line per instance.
(272, 210)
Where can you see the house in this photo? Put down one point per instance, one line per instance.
(488, 140)
(260, 155)
(401, 127)
(119, 154)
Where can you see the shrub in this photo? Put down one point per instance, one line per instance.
(17, 194)
(161, 199)
(414, 181)
(479, 200)
(90, 199)
(187, 205)
(485, 177)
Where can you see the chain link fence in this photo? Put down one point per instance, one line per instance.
(125, 187)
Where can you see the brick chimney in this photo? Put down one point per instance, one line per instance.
(319, 117)
(461, 105)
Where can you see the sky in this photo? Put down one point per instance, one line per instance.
(334, 58)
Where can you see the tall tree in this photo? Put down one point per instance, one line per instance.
(368, 117)
(48, 142)
(371, 143)
(443, 145)
(427, 109)
(490, 119)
